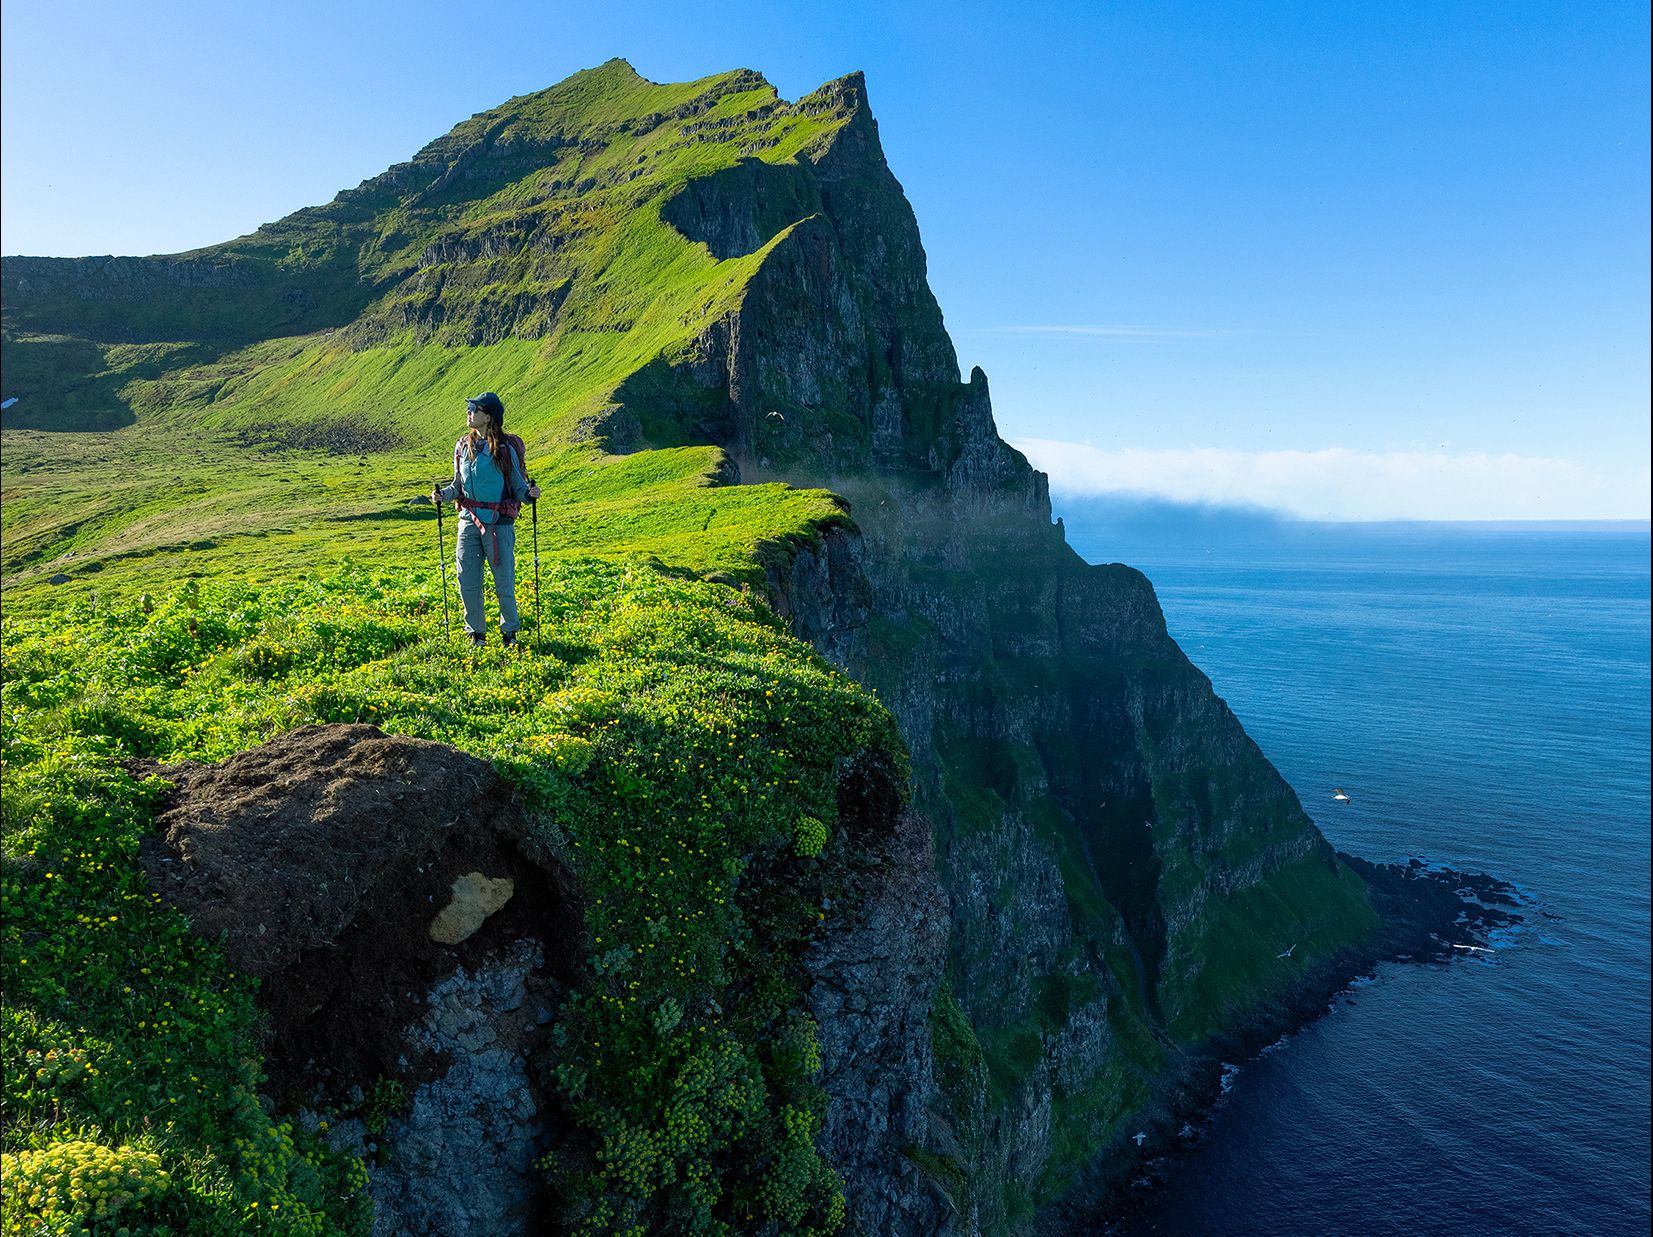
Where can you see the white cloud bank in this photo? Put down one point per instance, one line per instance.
(1342, 484)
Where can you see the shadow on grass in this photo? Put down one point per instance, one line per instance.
(410, 512)
(63, 384)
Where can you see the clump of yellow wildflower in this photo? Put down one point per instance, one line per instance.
(77, 1183)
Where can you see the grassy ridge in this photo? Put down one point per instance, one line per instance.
(127, 514)
(682, 753)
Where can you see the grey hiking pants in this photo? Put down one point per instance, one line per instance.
(497, 543)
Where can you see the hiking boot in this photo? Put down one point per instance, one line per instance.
(507, 638)
(478, 639)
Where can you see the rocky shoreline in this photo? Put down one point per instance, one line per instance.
(1428, 914)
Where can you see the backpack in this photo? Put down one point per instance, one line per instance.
(507, 508)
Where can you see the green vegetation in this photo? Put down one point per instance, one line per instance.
(1229, 957)
(676, 744)
(76, 1186)
(132, 1054)
(961, 1068)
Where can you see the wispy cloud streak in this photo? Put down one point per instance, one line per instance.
(1338, 483)
(1119, 331)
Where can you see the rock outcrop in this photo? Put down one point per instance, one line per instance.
(326, 861)
(460, 1158)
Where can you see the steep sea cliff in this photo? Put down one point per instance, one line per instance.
(1118, 865)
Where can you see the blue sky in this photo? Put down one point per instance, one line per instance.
(1357, 260)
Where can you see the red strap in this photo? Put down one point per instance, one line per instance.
(491, 544)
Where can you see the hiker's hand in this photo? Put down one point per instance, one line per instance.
(436, 494)
(533, 492)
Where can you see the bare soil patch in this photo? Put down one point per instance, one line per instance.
(319, 860)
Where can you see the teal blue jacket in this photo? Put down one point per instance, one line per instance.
(479, 486)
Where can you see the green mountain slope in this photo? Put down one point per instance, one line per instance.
(708, 313)
(524, 251)
(529, 240)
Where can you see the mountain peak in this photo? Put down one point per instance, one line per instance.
(613, 93)
(851, 86)
(571, 215)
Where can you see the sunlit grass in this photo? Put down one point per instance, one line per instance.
(682, 753)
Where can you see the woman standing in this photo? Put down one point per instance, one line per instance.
(490, 484)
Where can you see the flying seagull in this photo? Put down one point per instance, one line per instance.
(1338, 795)
(775, 416)
(1140, 1138)
(1287, 954)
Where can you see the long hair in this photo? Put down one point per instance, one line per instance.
(499, 447)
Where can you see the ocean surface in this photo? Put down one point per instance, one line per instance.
(1482, 695)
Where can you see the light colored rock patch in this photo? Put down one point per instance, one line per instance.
(475, 897)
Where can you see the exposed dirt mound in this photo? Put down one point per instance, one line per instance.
(321, 859)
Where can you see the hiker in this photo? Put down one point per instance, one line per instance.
(490, 484)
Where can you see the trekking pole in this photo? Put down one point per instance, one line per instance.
(539, 638)
(442, 558)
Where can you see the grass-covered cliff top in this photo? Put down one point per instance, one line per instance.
(683, 756)
(119, 513)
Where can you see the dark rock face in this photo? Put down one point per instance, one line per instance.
(223, 298)
(1095, 807)
(741, 210)
(874, 983)
(823, 593)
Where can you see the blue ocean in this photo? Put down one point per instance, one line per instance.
(1481, 693)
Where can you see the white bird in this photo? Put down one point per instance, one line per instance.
(775, 416)
(1287, 954)
(1338, 795)
(1140, 1139)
